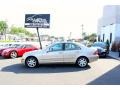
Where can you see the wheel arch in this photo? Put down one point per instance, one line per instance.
(30, 57)
(37, 63)
(82, 57)
(13, 51)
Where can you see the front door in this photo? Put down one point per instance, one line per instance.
(54, 54)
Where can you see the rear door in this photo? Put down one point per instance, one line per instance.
(71, 52)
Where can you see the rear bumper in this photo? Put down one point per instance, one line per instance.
(93, 58)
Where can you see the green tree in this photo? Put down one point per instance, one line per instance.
(91, 37)
(18, 30)
(3, 27)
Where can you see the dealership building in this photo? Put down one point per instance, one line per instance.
(109, 24)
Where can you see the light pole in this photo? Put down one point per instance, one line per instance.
(69, 36)
(6, 26)
(5, 33)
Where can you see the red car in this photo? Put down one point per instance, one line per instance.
(18, 51)
(8, 46)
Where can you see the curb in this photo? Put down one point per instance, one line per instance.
(114, 57)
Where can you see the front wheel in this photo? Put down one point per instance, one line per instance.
(104, 55)
(31, 62)
(13, 54)
(82, 62)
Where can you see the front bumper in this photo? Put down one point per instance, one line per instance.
(22, 60)
(6, 55)
(102, 54)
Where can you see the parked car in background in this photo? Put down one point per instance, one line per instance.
(8, 46)
(17, 51)
(61, 52)
(102, 48)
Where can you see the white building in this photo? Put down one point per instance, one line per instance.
(109, 24)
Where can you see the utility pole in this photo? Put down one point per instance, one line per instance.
(39, 38)
(82, 30)
(70, 35)
(5, 33)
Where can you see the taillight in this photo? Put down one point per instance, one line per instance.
(96, 52)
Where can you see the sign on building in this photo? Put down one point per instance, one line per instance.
(37, 20)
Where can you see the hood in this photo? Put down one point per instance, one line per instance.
(9, 49)
(34, 52)
(99, 49)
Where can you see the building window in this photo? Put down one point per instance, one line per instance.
(103, 37)
(110, 37)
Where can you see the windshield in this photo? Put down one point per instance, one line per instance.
(7, 45)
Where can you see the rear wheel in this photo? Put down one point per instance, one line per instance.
(82, 62)
(13, 54)
(31, 62)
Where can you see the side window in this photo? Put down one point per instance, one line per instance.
(70, 46)
(56, 47)
(22, 46)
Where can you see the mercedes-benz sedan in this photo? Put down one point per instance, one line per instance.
(61, 52)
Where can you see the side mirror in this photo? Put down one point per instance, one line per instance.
(49, 50)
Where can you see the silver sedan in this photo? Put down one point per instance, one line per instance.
(61, 52)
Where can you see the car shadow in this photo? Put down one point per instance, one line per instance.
(2, 58)
(56, 68)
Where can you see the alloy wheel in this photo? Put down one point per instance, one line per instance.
(31, 62)
(82, 62)
(13, 54)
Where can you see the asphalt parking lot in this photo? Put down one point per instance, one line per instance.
(103, 71)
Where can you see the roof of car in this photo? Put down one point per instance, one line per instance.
(69, 42)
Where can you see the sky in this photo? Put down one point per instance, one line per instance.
(66, 15)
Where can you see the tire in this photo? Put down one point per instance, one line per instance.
(13, 54)
(82, 62)
(31, 62)
(105, 55)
